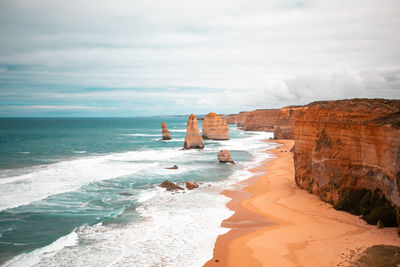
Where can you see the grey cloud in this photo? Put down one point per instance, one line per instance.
(258, 53)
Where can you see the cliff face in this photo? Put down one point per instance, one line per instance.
(260, 120)
(241, 118)
(231, 118)
(284, 125)
(193, 138)
(215, 127)
(166, 135)
(342, 147)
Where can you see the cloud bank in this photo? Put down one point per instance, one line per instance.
(128, 58)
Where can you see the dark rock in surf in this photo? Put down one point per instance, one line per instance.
(170, 186)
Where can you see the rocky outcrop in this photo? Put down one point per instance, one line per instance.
(170, 186)
(191, 185)
(285, 122)
(348, 153)
(231, 118)
(225, 157)
(175, 167)
(193, 138)
(260, 120)
(241, 119)
(166, 135)
(215, 127)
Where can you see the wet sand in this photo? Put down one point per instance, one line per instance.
(278, 224)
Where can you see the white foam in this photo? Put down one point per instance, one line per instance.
(80, 151)
(34, 257)
(178, 130)
(70, 175)
(172, 140)
(176, 229)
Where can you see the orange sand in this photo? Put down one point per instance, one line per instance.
(278, 224)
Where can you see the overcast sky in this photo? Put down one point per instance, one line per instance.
(142, 57)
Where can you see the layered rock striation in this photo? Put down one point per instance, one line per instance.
(260, 120)
(348, 153)
(224, 156)
(215, 127)
(231, 118)
(241, 119)
(285, 122)
(166, 135)
(193, 138)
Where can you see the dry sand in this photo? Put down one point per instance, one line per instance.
(278, 224)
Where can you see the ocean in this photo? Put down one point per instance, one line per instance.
(84, 191)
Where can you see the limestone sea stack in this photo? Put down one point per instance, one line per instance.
(193, 138)
(166, 135)
(225, 157)
(215, 127)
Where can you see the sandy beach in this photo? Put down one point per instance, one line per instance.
(278, 224)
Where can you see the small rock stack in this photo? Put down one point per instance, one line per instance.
(166, 135)
(225, 157)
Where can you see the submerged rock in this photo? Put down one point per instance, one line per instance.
(225, 157)
(170, 186)
(166, 135)
(193, 138)
(191, 185)
(126, 194)
(175, 167)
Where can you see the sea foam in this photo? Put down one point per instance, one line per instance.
(175, 229)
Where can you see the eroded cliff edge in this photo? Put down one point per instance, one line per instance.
(258, 120)
(349, 150)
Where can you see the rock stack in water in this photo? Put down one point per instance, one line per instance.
(225, 157)
(193, 138)
(166, 135)
(215, 127)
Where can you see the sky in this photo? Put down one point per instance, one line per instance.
(166, 57)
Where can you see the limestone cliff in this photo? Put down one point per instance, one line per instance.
(166, 135)
(231, 118)
(241, 118)
(348, 153)
(193, 138)
(285, 122)
(260, 120)
(215, 127)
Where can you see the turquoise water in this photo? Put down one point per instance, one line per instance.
(70, 187)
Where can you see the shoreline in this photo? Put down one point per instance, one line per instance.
(277, 223)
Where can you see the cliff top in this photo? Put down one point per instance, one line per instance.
(357, 110)
(359, 102)
(392, 119)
